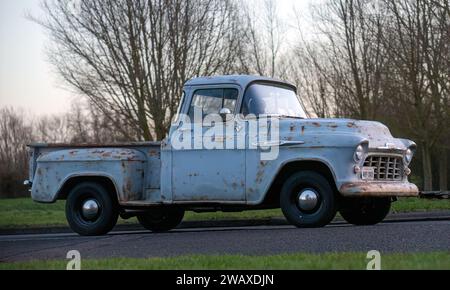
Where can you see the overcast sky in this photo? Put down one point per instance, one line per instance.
(26, 79)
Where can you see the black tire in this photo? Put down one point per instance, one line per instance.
(161, 219)
(322, 213)
(106, 218)
(365, 211)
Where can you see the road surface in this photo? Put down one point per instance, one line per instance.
(410, 236)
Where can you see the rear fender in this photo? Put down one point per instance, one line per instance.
(125, 168)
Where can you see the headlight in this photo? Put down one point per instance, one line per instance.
(359, 153)
(408, 156)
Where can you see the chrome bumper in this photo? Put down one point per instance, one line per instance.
(380, 189)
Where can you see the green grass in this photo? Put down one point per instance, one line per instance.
(419, 204)
(331, 261)
(24, 213)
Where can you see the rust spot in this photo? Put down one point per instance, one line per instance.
(153, 153)
(234, 185)
(303, 130)
(351, 124)
(193, 174)
(292, 128)
(128, 186)
(378, 189)
(334, 126)
(73, 152)
(39, 171)
(260, 175)
(106, 154)
(199, 198)
(316, 124)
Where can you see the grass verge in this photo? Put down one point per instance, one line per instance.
(298, 261)
(24, 213)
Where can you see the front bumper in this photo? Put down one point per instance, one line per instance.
(379, 189)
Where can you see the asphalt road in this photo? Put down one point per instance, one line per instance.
(414, 236)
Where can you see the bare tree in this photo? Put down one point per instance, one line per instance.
(131, 58)
(312, 85)
(417, 40)
(87, 124)
(263, 35)
(14, 135)
(52, 129)
(348, 55)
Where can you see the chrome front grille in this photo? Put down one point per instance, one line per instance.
(387, 168)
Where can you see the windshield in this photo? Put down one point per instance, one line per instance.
(272, 100)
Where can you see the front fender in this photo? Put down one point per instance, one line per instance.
(338, 160)
(124, 167)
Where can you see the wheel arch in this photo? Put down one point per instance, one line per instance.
(287, 169)
(104, 180)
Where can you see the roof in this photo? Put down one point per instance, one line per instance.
(241, 80)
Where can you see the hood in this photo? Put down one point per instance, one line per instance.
(376, 133)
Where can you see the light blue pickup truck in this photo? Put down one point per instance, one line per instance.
(318, 166)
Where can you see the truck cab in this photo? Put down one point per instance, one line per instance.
(237, 143)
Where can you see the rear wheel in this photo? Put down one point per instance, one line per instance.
(307, 200)
(161, 219)
(90, 210)
(365, 211)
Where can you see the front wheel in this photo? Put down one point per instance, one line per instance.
(161, 219)
(308, 200)
(90, 210)
(365, 211)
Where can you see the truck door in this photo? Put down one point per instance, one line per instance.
(209, 175)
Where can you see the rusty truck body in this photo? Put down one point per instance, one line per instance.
(323, 166)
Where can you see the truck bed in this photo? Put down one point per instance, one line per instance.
(94, 145)
(68, 155)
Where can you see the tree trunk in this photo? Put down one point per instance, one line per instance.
(443, 184)
(426, 165)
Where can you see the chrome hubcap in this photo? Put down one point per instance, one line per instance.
(308, 199)
(90, 209)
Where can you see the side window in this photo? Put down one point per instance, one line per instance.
(211, 101)
(230, 98)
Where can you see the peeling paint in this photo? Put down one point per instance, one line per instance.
(351, 125)
(292, 128)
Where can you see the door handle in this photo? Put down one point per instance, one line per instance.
(184, 129)
(278, 143)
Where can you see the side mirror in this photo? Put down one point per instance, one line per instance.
(224, 112)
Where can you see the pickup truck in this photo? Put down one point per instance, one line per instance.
(322, 166)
